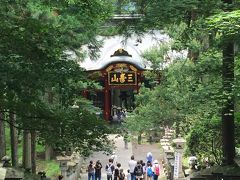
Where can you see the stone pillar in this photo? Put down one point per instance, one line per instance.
(178, 172)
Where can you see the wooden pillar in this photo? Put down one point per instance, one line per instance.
(85, 93)
(139, 80)
(106, 99)
(106, 104)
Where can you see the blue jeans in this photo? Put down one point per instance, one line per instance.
(132, 176)
(91, 175)
(98, 176)
(109, 177)
(155, 177)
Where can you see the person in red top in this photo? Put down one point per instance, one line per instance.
(156, 169)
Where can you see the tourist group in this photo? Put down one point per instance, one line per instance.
(138, 170)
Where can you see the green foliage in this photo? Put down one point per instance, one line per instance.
(160, 14)
(226, 24)
(204, 139)
(50, 167)
(40, 48)
(190, 94)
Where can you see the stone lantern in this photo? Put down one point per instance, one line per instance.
(63, 160)
(71, 170)
(180, 143)
(3, 172)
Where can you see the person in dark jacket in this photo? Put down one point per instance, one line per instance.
(138, 171)
(98, 167)
(117, 172)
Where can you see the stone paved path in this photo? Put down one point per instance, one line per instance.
(139, 151)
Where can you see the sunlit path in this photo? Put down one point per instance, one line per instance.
(139, 151)
(123, 156)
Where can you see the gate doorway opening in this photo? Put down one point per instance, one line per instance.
(122, 102)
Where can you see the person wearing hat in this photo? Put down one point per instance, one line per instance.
(156, 169)
(149, 157)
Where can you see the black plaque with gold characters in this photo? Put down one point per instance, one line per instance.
(122, 78)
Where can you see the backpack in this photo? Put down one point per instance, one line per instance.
(139, 171)
(149, 172)
(109, 169)
(157, 170)
(116, 173)
(122, 176)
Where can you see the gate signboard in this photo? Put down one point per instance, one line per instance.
(122, 78)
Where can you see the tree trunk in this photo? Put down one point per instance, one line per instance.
(33, 151)
(119, 7)
(228, 107)
(2, 137)
(140, 139)
(177, 129)
(142, 5)
(48, 148)
(14, 140)
(26, 150)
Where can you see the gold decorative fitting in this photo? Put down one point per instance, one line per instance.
(109, 68)
(121, 52)
(133, 68)
(121, 65)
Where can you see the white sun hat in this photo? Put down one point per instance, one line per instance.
(155, 161)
